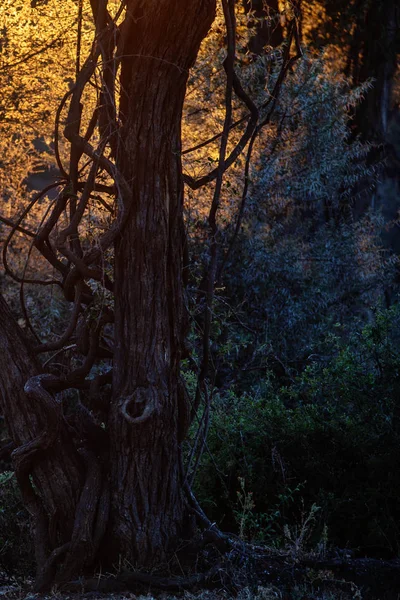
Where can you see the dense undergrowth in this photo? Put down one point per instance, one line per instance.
(324, 442)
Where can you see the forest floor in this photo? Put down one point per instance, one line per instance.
(360, 579)
(22, 590)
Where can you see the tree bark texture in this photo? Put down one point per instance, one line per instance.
(149, 415)
(56, 473)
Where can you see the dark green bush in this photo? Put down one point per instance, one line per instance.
(330, 437)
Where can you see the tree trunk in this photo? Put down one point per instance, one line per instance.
(148, 414)
(374, 54)
(56, 474)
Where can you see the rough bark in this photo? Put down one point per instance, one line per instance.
(148, 414)
(56, 473)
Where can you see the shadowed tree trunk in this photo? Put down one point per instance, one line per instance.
(56, 474)
(149, 415)
(373, 54)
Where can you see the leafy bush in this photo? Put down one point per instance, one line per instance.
(331, 438)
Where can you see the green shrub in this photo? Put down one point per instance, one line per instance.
(331, 438)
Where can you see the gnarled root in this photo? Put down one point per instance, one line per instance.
(24, 458)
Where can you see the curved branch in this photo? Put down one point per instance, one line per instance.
(10, 223)
(51, 346)
(195, 184)
(287, 64)
(7, 269)
(25, 455)
(210, 270)
(46, 574)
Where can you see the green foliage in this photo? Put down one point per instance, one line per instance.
(297, 285)
(305, 262)
(311, 159)
(330, 438)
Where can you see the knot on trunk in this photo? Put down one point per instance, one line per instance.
(138, 407)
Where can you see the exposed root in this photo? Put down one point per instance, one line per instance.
(92, 509)
(82, 549)
(45, 577)
(25, 456)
